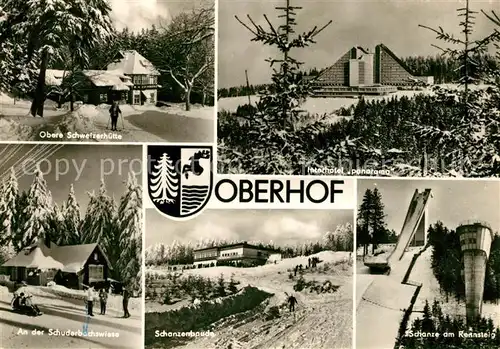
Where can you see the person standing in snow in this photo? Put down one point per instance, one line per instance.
(90, 300)
(291, 303)
(126, 296)
(103, 296)
(114, 112)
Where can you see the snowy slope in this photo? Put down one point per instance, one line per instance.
(312, 105)
(321, 321)
(382, 297)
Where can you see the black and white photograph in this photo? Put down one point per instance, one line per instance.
(250, 279)
(71, 246)
(427, 264)
(107, 70)
(365, 88)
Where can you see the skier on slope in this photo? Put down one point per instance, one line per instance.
(291, 303)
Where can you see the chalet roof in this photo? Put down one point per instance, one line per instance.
(70, 259)
(132, 62)
(107, 78)
(74, 257)
(33, 258)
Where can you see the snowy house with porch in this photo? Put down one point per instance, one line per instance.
(102, 86)
(143, 74)
(129, 79)
(73, 266)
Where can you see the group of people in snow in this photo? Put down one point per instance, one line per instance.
(103, 299)
(24, 302)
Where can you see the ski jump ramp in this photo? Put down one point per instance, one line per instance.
(413, 232)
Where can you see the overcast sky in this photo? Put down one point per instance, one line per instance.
(355, 22)
(81, 165)
(138, 14)
(453, 202)
(281, 226)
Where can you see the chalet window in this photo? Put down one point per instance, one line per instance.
(103, 97)
(96, 256)
(85, 98)
(137, 99)
(96, 272)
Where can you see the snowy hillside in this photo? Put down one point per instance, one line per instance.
(311, 105)
(316, 313)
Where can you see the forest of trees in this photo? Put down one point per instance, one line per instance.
(434, 321)
(445, 69)
(371, 227)
(116, 226)
(447, 264)
(243, 90)
(341, 239)
(75, 35)
(451, 132)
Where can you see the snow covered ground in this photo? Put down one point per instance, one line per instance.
(138, 124)
(312, 105)
(330, 105)
(321, 321)
(67, 313)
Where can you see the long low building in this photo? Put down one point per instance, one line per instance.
(361, 71)
(129, 79)
(239, 254)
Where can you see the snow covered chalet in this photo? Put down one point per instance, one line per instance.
(73, 266)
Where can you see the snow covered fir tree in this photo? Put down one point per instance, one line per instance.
(444, 130)
(116, 226)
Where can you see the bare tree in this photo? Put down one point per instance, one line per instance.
(187, 49)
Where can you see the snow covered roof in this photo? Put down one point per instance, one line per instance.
(108, 77)
(133, 63)
(33, 258)
(70, 259)
(54, 77)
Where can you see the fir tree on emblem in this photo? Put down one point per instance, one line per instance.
(164, 183)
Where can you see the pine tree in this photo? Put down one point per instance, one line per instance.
(129, 223)
(467, 137)
(99, 218)
(55, 225)
(39, 208)
(221, 288)
(279, 105)
(10, 195)
(164, 182)
(377, 219)
(72, 220)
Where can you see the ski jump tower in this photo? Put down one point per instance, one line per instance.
(475, 242)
